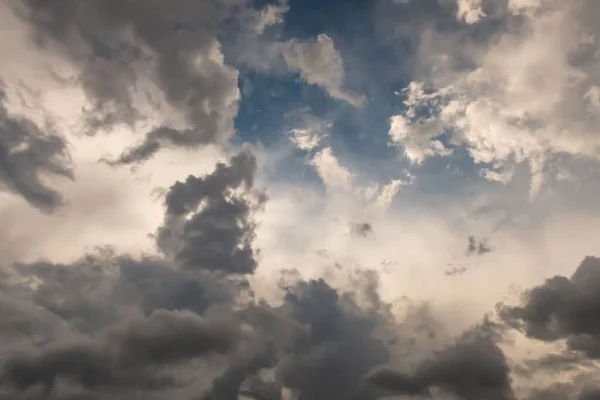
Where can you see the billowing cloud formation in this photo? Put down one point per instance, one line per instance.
(223, 302)
(326, 359)
(120, 48)
(112, 325)
(27, 154)
(206, 226)
(491, 96)
(474, 368)
(564, 308)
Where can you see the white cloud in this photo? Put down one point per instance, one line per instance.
(311, 133)
(530, 96)
(321, 64)
(333, 174)
(470, 11)
(270, 15)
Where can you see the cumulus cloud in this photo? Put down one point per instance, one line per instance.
(502, 109)
(472, 369)
(177, 324)
(563, 308)
(470, 11)
(205, 225)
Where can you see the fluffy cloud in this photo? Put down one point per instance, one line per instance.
(205, 227)
(328, 167)
(474, 368)
(563, 308)
(320, 63)
(504, 109)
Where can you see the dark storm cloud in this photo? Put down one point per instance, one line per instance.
(117, 42)
(124, 358)
(318, 343)
(26, 155)
(474, 368)
(330, 345)
(206, 225)
(563, 308)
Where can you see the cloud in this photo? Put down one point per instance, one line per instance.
(112, 324)
(214, 290)
(470, 11)
(205, 226)
(311, 133)
(124, 358)
(496, 103)
(320, 63)
(27, 156)
(477, 248)
(563, 308)
(333, 174)
(472, 369)
(172, 52)
(362, 229)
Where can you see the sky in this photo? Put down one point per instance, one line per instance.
(300, 199)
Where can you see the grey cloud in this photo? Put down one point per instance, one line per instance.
(219, 235)
(125, 357)
(27, 154)
(126, 328)
(342, 345)
(123, 328)
(476, 247)
(327, 345)
(565, 391)
(115, 43)
(361, 229)
(474, 368)
(563, 308)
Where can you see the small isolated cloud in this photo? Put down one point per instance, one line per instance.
(361, 229)
(477, 247)
(320, 63)
(333, 174)
(310, 134)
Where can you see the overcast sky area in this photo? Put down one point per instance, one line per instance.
(300, 199)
